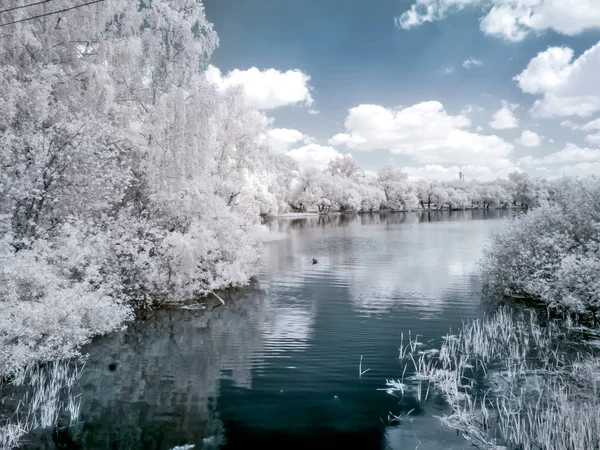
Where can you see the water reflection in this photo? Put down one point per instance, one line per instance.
(414, 259)
(278, 365)
(386, 217)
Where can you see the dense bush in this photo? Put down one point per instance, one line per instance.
(552, 253)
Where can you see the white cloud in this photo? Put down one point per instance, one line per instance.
(432, 171)
(553, 105)
(350, 140)
(515, 19)
(578, 169)
(430, 10)
(504, 118)
(546, 71)
(472, 62)
(468, 109)
(504, 21)
(282, 139)
(313, 112)
(448, 70)
(314, 155)
(570, 124)
(581, 169)
(266, 89)
(529, 161)
(512, 20)
(530, 139)
(569, 87)
(593, 125)
(424, 131)
(471, 171)
(593, 139)
(569, 155)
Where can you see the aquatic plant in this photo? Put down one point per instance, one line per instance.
(45, 393)
(509, 381)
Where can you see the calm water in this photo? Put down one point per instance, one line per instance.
(278, 367)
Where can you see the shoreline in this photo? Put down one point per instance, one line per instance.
(384, 211)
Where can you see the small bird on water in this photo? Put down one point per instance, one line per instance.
(314, 260)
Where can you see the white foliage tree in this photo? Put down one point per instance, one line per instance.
(114, 145)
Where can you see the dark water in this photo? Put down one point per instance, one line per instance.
(278, 367)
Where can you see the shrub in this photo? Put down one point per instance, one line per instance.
(552, 252)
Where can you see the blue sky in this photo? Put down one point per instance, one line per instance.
(368, 53)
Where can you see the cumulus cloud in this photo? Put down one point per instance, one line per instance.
(504, 118)
(351, 140)
(424, 131)
(282, 139)
(569, 155)
(530, 139)
(430, 10)
(314, 155)
(569, 87)
(472, 62)
(505, 21)
(593, 139)
(512, 20)
(593, 125)
(300, 147)
(547, 71)
(570, 124)
(515, 19)
(265, 89)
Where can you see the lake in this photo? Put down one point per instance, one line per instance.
(278, 366)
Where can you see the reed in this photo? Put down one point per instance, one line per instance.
(42, 391)
(510, 383)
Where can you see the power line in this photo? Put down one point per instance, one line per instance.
(50, 13)
(24, 6)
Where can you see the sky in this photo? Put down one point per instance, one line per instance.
(485, 87)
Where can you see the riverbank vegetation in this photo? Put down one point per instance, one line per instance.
(126, 177)
(511, 382)
(343, 186)
(552, 253)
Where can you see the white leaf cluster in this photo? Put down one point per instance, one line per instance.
(552, 253)
(126, 176)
